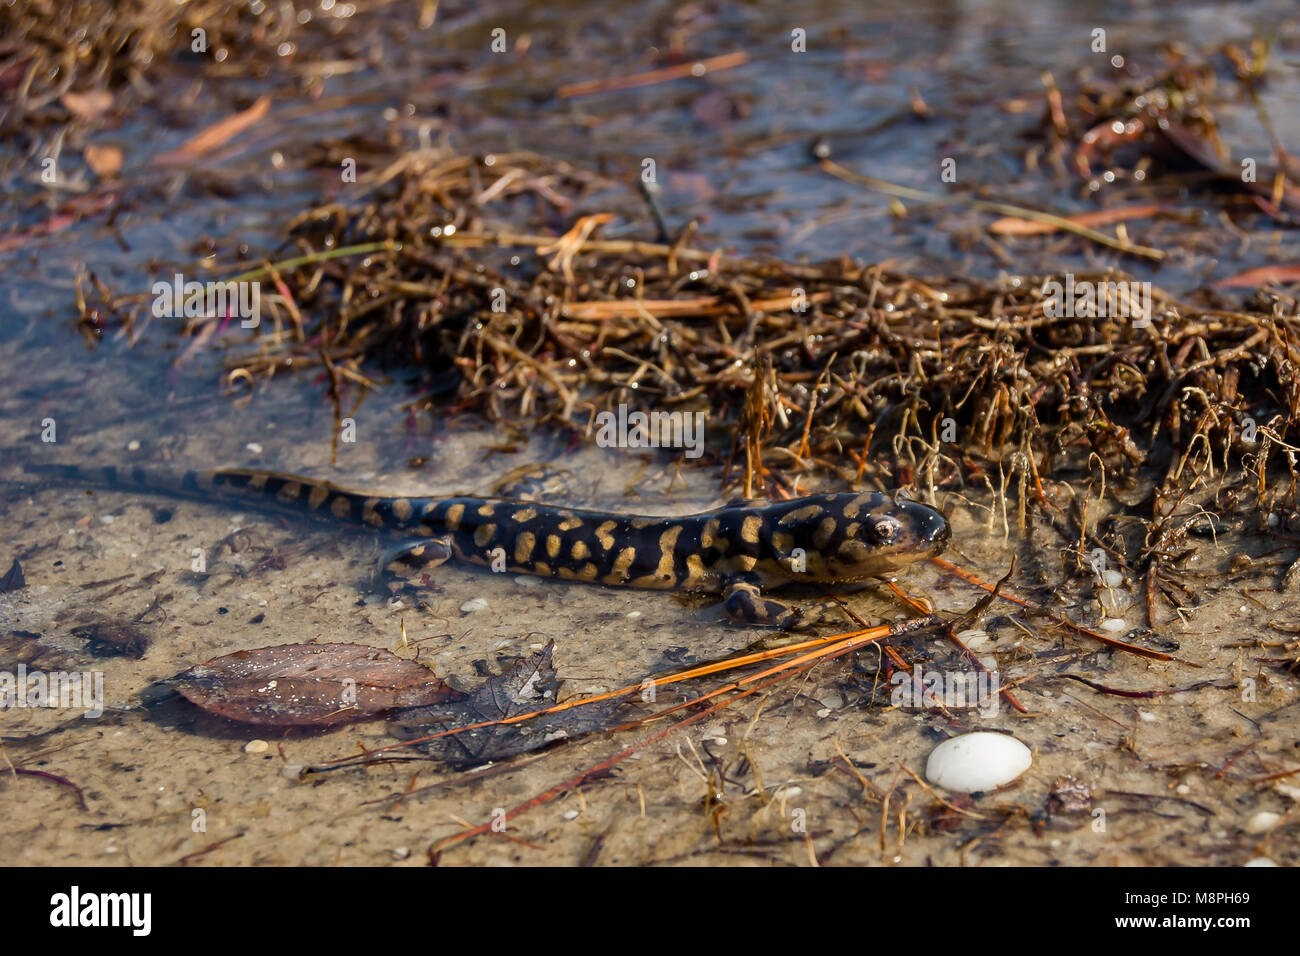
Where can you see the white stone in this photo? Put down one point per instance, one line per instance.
(1259, 861)
(1114, 625)
(977, 761)
(973, 637)
(527, 580)
(474, 604)
(1262, 822)
(1112, 578)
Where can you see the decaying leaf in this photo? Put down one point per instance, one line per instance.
(90, 105)
(300, 685)
(108, 638)
(13, 579)
(105, 161)
(527, 686)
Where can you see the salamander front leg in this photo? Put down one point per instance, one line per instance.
(410, 559)
(744, 603)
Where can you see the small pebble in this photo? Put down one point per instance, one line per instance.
(1114, 624)
(973, 637)
(1112, 578)
(1147, 716)
(1262, 822)
(527, 580)
(1259, 861)
(571, 814)
(133, 445)
(256, 747)
(474, 604)
(1288, 790)
(401, 852)
(105, 519)
(977, 761)
(633, 614)
(254, 447)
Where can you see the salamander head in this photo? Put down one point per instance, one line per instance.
(850, 537)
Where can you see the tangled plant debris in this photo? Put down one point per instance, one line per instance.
(1010, 391)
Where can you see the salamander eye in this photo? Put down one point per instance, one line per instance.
(886, 529)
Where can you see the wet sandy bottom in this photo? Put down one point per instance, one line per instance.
(764, 780)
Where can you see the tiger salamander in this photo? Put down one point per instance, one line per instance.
(738, 550)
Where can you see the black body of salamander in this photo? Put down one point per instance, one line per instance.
(737, 550)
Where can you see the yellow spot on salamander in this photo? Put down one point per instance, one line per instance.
(741, 562)
(569, 523)
(453, 516)
(580, 551)
(486, 509)
(854, 550)
(696, 575)
(618, 573)
(289, 491)
(402, 510)
(663, 576)
(749, 528)
(341, 507)
(317, 496)
(525, 514)
(542, 568)
(604, 534)
(484, 533)
(524, 545)
(368, 513)
(552, 545)
(800, 515)
(857, 504)
(825, 531)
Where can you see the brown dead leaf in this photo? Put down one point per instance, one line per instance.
(215, 135)
(300, 685)
(104, 161)
(89, 105)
